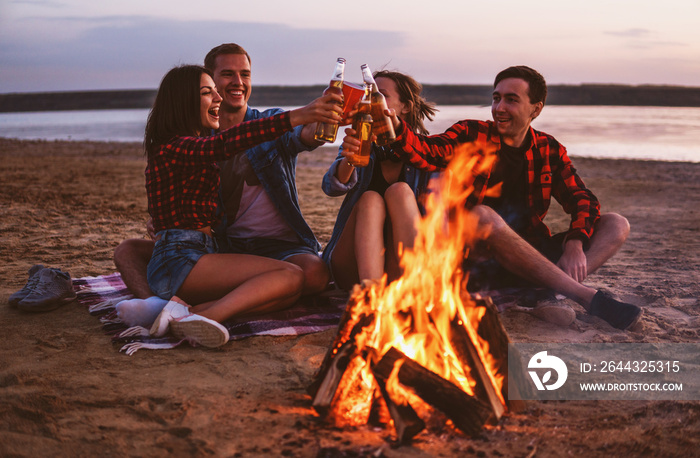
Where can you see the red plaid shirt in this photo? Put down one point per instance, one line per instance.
(182, 179)
(549, 173)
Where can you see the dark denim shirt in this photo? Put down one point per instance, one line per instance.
(274, 163)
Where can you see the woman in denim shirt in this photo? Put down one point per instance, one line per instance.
(381, 204)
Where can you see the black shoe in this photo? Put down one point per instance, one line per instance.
(53, 289)
(15, 298)
(619, 314)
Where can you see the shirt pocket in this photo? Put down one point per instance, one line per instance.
(545, 184)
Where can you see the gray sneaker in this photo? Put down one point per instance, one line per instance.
(15, 298)
(53, 289)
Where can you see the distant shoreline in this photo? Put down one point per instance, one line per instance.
(586, 94)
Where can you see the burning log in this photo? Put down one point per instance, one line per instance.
(354, 396)
(351, 323)
(467, 352)
(466, 412)
(333, 372)
(407, 423)
(491, 330)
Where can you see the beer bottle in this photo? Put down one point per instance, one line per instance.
(328, 132)
(382, 127)
(362, 125)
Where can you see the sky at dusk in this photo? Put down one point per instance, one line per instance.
(59, 45)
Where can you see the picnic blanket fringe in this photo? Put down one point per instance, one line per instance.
(108, 305)
(133, 347)
(133, 331)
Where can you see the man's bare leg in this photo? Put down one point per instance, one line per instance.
(316, 274)
(518, 256)
(521, 258)
(131, 258)
(610, 234)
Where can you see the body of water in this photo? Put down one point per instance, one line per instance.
(658, 133)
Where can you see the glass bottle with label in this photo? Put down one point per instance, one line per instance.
(328, 132)
(383, 128)
(362, 125)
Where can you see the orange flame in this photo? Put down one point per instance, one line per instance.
(415, 312)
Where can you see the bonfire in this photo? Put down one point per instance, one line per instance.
(421, 343)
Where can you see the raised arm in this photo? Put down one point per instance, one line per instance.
(247, 134)
(326, 108)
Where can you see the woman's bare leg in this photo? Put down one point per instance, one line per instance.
(403, 215)
(228, 285)
(359, 253)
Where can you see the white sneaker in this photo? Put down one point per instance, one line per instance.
(184, 324)
(171, 311)
(199, 330)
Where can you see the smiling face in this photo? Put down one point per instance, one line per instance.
(210, 101)
(387, 86)
(232, 77)
(512, 111)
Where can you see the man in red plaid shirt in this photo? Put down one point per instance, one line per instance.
(530, 168)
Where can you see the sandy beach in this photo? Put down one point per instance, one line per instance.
(66, 390)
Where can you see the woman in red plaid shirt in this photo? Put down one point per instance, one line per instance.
(182, 183)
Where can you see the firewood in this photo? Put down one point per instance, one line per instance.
(352, 403)
(407, 423)
(467, 412)
(467, 353)
(328, 385)
(492, 331)
(347, 329)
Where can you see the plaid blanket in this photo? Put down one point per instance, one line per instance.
(100, 295)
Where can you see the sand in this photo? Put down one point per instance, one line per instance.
(65, 390)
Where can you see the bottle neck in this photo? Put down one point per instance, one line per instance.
(339, 71)
(368, 78)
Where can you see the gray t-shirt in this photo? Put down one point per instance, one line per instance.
(249, 210)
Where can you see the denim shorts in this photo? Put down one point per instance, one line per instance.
(175, 254)
(268, 248)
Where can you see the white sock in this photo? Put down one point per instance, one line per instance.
(140, 312)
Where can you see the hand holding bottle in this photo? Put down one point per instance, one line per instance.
(325, 109)
(326, 132)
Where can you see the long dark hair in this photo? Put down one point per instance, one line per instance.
(410, 95)
(176, 109)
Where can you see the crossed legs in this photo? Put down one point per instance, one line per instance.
(518, 256)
